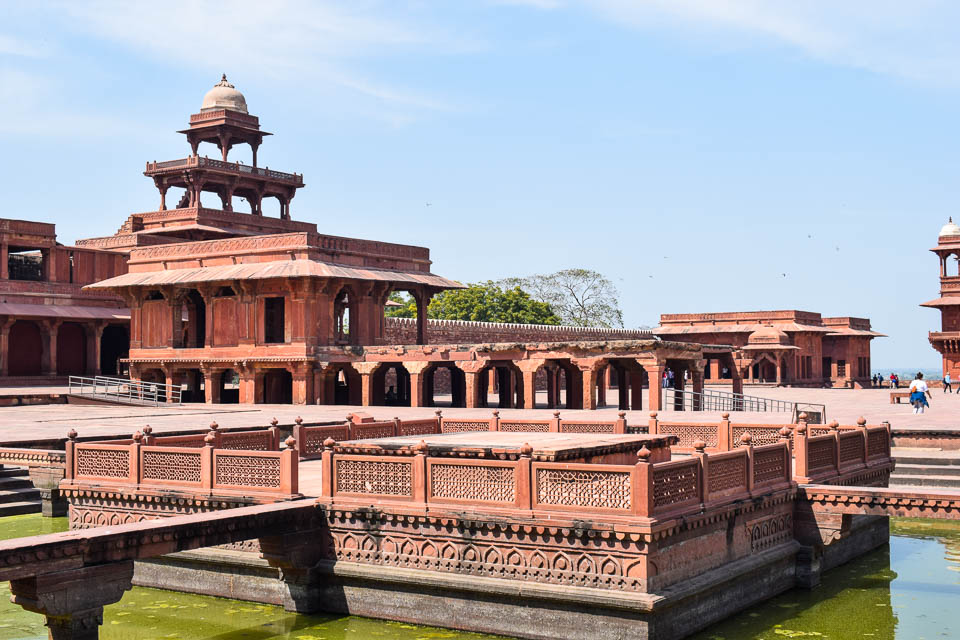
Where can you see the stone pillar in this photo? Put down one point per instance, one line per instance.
(53, 504)
(636, 388)
(208, 328)
(589, 370)
(366, 371)
(302, 384)
(211, 385)
(319, 388)
(169, 375)
(49, 359)
(94, 333)
(72, 600)
(417, 395)
(779, 370)
(696, 378)
(422, 299)
(176, 321)
(4, 261)
(655, 378)
(5, 346)
(528, 371)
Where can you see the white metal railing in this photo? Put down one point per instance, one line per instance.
(123, 390)
(712, 400)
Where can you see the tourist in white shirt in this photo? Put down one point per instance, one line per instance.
(919, 392)
(946, 383)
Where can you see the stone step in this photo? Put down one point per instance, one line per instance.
(12, 472)
(18, 495)
(939, 461)
(19, 508)
(910, 469)
(924, 481)
(15, 482)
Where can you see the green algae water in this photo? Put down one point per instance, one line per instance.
(910, 590)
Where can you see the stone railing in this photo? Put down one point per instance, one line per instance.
(32, 457)
(310, 438)
(645, 489)
(252, 440)
(206, 470)
(232, 167)
(726, 435)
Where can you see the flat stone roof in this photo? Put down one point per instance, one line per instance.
(499, 445)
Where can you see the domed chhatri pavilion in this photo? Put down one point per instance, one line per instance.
(947, 340)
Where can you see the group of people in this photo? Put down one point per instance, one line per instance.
(894, 381)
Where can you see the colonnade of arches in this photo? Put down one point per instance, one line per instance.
(32, 348)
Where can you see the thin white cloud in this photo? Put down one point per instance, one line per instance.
(310, 45)
(13, 46)
(915, 40)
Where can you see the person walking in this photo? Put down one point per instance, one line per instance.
(919, 392)
(880, 380)
(946, 384)
(874, 381)
(894, 381)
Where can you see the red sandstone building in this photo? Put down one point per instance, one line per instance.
(796, 348)
(49, 326)
(240, 307)
(947, 340)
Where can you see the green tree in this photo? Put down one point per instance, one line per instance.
(480, 302)
(581, 297)
(407, 308)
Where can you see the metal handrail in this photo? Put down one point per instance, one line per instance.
(124, 390)
(712, 400)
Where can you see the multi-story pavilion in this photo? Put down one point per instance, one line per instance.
(797, 348)
(947, 340)
(245, 308)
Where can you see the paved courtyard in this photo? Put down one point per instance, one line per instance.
(43, 422)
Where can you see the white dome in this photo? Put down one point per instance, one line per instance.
(950, 229)
(224, 96)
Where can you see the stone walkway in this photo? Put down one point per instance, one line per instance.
(42, 422)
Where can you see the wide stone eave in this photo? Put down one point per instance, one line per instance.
(271, 270)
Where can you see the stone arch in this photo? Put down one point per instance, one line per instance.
(391, 385)
(25, 349)
(342, 384)
(71, 349)
(446, 380)
(503, 378)
(564, 384)
(194, 307)
(763, 368)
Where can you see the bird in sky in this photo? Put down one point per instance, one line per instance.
(429, 204)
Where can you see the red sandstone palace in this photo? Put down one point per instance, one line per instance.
(797, 348)
(947, 340)
(241, 307)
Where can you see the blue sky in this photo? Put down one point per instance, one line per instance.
(706, 155)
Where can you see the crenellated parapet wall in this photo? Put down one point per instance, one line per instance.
(404, 331)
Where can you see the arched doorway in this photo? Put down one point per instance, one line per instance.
(278, 387)
(391, 385)
(195, 327)
(444, 385)
(564, 385)
(71, 350)
(25, 349)
(114, 345)
(343, 310)
(342, 385)
(503, 379)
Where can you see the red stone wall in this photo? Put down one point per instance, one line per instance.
(404, 331)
